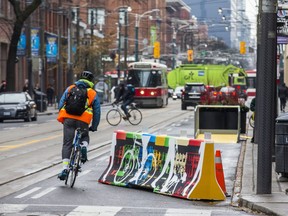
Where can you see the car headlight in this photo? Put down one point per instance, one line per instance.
(21, 107)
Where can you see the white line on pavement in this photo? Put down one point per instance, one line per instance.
(28, 192)
(48, 190)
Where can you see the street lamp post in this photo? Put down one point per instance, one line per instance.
(174, 47)
(138, 18)
(174, 42)
(119, 50)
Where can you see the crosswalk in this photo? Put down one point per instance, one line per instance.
(24, 209)
(39, 192)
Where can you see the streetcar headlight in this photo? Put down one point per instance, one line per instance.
(152, 93)
(142, 92)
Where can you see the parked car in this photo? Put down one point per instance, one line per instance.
(228, 95)
(241, 91)
(17, 105)
(192, 94)
(177, 92)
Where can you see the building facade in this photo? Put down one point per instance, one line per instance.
(63, 26)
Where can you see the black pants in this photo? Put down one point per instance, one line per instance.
(125, 104)
(70, 126)
(282, 103)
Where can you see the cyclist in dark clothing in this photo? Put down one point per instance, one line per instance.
(125, 95)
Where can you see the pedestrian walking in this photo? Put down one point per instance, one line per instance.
(26, 87)
(50, 94)
(282, 94)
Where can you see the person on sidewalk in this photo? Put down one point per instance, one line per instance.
(72, 119)
(50, 95)
(3, 86)
(252, 108)
(282, 94)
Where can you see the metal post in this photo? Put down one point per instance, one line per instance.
(29, 58)
(265, 96)
(42, 54)
(78, 27)
(174, 47)
(60, 72)
(119, 51)
(136, 37)
(92, 28)
(125, 42)
(69, 50)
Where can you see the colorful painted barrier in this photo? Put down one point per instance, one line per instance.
(180, 167)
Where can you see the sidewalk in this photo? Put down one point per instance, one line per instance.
(275, 203)
(50, 110)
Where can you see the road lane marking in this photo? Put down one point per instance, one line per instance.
(7, 147)
(48, 190)
(28, 192)
(182, 212)
(95, 210)
(12, 208)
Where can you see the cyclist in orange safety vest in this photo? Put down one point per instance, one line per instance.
(72, 122)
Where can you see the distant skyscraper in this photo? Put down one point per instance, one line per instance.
(227, 26)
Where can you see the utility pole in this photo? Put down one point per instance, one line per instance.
(78, 27)
(60, 70)
(42, 53)
(92, 27)
(174, 47)
(29, 57)
(266, 93)
(119, 51)
(69, 59)
(136, 37)
(125, 42)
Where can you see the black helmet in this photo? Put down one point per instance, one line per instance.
(87, 75)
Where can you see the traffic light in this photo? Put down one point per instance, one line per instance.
(156, 49)
(190, 55)
(242, 47)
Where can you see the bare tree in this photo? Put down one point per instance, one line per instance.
(20, 17)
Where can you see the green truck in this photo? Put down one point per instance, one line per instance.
(212, 75)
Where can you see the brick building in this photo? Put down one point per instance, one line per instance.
(157, 19)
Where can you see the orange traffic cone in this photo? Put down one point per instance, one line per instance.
(220, 172)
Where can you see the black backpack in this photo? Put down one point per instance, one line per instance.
(76, 101)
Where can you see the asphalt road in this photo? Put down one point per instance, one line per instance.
(30, 158)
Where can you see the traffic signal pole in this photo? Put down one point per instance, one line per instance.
(266, 93)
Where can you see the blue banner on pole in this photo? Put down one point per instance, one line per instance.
(35, 41)
(51, 48)
(21, 46)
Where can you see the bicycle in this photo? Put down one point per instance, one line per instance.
(252, 120)
(115, 115)
(75, 158)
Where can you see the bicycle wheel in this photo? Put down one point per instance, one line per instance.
(136, 116)
(75, 167)
(251, 121)
(113, 117)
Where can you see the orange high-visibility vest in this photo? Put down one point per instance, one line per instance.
(87, 114)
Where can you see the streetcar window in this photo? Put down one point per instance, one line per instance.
(144, 78)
